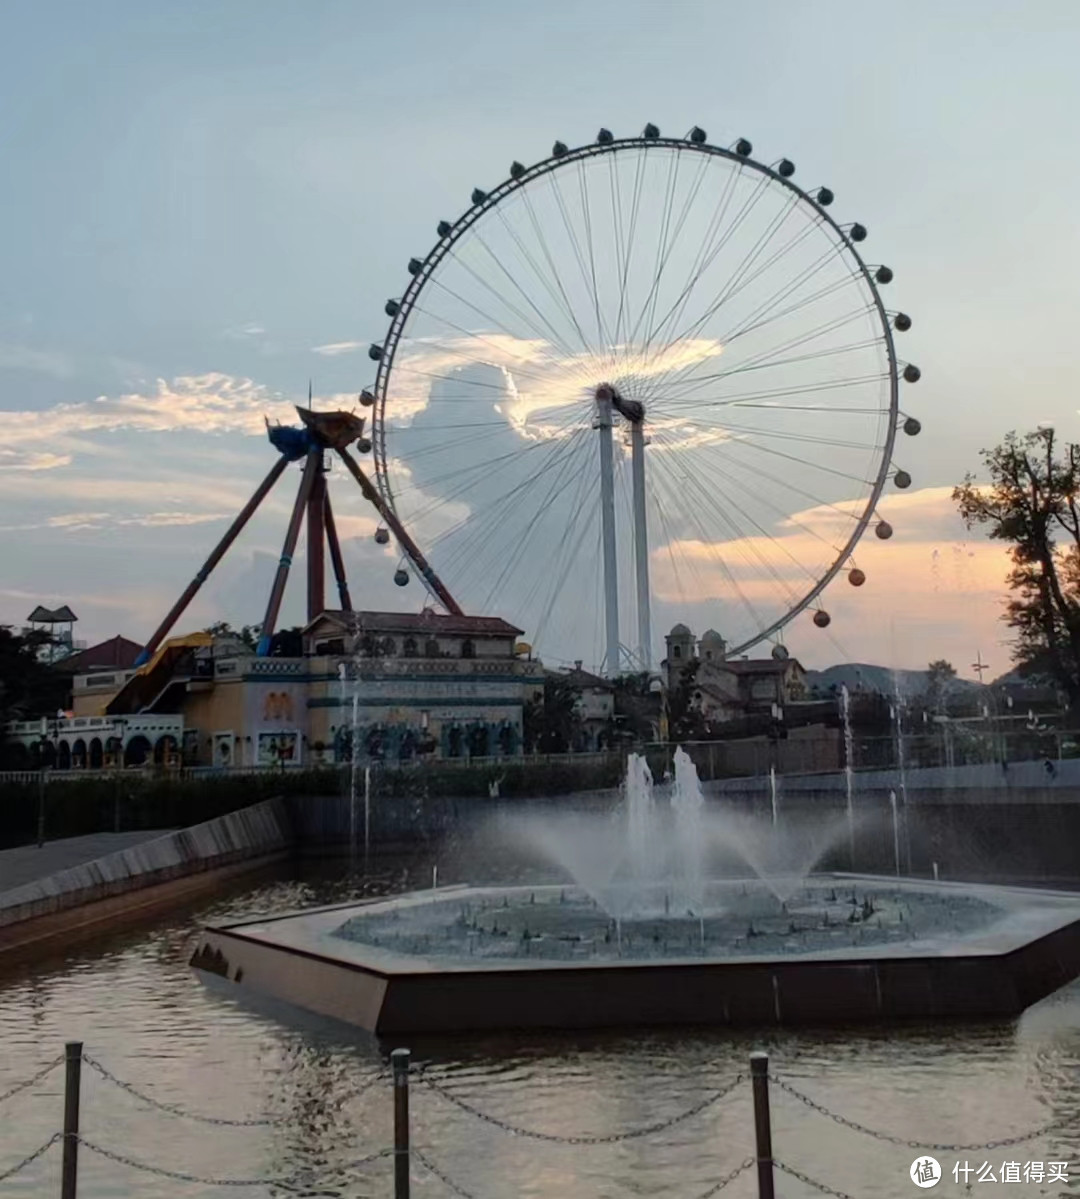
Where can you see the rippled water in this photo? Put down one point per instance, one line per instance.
(149, 1020)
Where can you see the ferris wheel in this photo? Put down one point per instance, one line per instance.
(647, 376)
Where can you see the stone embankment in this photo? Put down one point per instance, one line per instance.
(134, 881)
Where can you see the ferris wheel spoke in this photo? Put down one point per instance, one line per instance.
(554, 491)
(740, 432)
(569, 546)
(664, 249)
(553, 286)
(752, 325)
(589, 278)
(692, 385)
(544, 329)
(499, 351)
(635, 208)
(747, 484)
(757, 471)
(763, 361)
(496, 505)
(751, 322)
(714, 496)
(500, 557)
(712, 550)
(474, 470)
(715, 245)
(728, 400)
(811, 463)
(743, 215)
(731, 285)
(737, 276)
(497, 260)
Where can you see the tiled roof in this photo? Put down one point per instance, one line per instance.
(61, 615)
(756, 666)
(583, 678)
(118, 653)
(427, 621)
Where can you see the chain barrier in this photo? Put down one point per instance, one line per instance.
(555, 1138)
(1000, 1143)
(297, 1183)
(824, 1188)
(45, 1070)
(222, 1121)
(445, 1179)
(11, 1171)
(728, 1179)
(173, 1109)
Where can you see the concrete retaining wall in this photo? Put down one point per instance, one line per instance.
(1054, 782)
(259, 832)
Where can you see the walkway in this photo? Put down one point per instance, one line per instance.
(29, 863)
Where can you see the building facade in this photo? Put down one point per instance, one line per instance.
(724, 688)
(385, 686)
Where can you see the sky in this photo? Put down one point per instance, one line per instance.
(199, 199)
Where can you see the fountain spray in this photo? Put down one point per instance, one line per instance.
(849, 768)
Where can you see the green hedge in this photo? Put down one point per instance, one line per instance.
(76, 807)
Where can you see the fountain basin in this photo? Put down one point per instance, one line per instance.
(495, 958)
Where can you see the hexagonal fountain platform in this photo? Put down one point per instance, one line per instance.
(836, 948)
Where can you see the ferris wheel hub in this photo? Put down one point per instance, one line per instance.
(630, 410)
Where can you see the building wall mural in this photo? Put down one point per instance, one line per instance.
(275, 718)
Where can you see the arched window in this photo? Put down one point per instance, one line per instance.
(431, 648)
(409, 648)
(676, 651)
(468, 649)
(387, 647)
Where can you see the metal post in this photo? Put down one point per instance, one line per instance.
(277, 591)
(216, 555)
(759, 1075)
(69, 1178)
(607, 517)
(335, 554)
(399, 1061)
(42, 776)
(316, 545)
(641, 544)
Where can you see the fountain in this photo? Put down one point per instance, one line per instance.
(670, 910)
(849, 767)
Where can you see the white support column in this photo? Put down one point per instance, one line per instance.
(607, 517)
(641, 544)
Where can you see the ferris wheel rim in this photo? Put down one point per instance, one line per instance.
(406, 305)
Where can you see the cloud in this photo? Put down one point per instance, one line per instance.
(15, 460)
(537, 376)
(82, 521)
(212, 403)
(334, 348)
(242, 332)
(930, 590)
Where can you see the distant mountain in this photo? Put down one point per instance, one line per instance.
(862, 676)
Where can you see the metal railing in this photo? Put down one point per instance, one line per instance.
(403, 1154)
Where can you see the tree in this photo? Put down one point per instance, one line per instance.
(939, 677)
(29, 687)
(685, 719)
(249, 634)
(1031, 504)
(550, 721)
